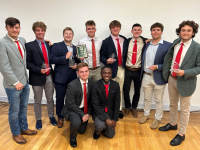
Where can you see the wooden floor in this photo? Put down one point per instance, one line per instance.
(130, 135)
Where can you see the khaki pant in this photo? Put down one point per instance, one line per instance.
(95, 74)
(150, 87)
(184, 106)
(120, 79)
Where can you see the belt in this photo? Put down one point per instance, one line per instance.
(150, 74)
(93, 68)
(132, 69)
(175, 77)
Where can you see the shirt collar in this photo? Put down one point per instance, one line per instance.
(83, 81)
(13, 39)
(89, 38)
(186, 43)
(105, 83)
(39, 42)
(68, 45)
(160, 42)
(113, 37)
(138, 40)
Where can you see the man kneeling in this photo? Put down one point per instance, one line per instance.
(105, 98)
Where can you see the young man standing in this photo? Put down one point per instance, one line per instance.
(64, 72)
(136, 47)
(113, 53)
(93, 46)
(13, 69)
(153, 82)
(78, 103)
(180, 68)
(40, 77)
(105, 98)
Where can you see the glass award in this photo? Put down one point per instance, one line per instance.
(71, 61)
(45, 66)
(81, 51)
(113, 56)
(175, 67)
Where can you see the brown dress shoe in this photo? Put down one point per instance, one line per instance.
(29, 132)
(19, 139)
(134, 113)
(60, 123)
(126, 112)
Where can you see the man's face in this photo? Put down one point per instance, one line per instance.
(156, 33)
(115, 30)
(186, 33)
(136, 31)
(106, 74)
(39, 33)
(14, 31)
(68, 36)
(83, 73)
(91, 30)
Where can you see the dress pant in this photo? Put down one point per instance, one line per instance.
(150, 87)
(120, 79)
(60, 97)
(17, 115)
(76, 124)
(129, 77)
(102, 126)
(184, 106)
(38, 93)
(95, 75)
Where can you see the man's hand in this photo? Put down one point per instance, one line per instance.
(149, 40)
(68, 54)
(43, 71)
(73, 67)
(80, 58)
(109, 122)
(110, 61)
(19, 86)
(49, 42)
(154, 67)
(85, 117)
(179, 72)
(114, 124)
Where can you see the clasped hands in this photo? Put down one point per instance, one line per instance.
(111, 123)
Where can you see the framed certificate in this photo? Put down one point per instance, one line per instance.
(81, 51)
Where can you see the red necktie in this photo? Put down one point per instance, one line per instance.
(45, 56)
(19, 48)
(85, 99)
(94, 54)
(178, 58)
(106, 89)
(134, 55)
(119, 53)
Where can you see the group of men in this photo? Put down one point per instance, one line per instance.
(99, 91)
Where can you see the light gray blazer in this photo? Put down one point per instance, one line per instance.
(191, 65)
(12, 66)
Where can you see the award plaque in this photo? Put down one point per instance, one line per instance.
(113, 56)
(45, 66)
(71, 61)
(175, 67)
(81, 51)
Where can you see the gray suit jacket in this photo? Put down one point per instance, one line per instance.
(191, 65)
(12, 66)
(74, 97)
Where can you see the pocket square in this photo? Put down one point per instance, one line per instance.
(113, 91)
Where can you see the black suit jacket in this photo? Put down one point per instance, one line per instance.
(63, 72)
(100, 101)
(74, 98)
(35, 60)
(108, 48)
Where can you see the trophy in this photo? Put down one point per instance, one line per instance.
(175, 67)
(113, 56)
(81, 51)
(71, 61)
(45, 66)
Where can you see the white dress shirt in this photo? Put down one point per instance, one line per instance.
(82, 103)
(121, 43)
(176, 49)
(88, 42)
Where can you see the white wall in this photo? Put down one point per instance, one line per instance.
(74, 13)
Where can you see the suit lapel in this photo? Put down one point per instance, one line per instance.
(145, 50)
(79, 87)
(189, 53)
(111, 88)
(38, 48)
(48, 49)
(15, 49)
(160, 46)
(64, 46)
(112, 45)
(102, 87)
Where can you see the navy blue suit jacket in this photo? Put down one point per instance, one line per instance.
(107, 49)
(159, 59)
(63, 72)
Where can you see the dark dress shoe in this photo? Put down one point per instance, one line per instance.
(168, 127)
(60, 123)
(134, 113)
(29, 132)
(95, 136)
(19, 139)
(121, 115)
(73, 142)
(177, 140)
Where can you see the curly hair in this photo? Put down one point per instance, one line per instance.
(40, 25)
(192, 24)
